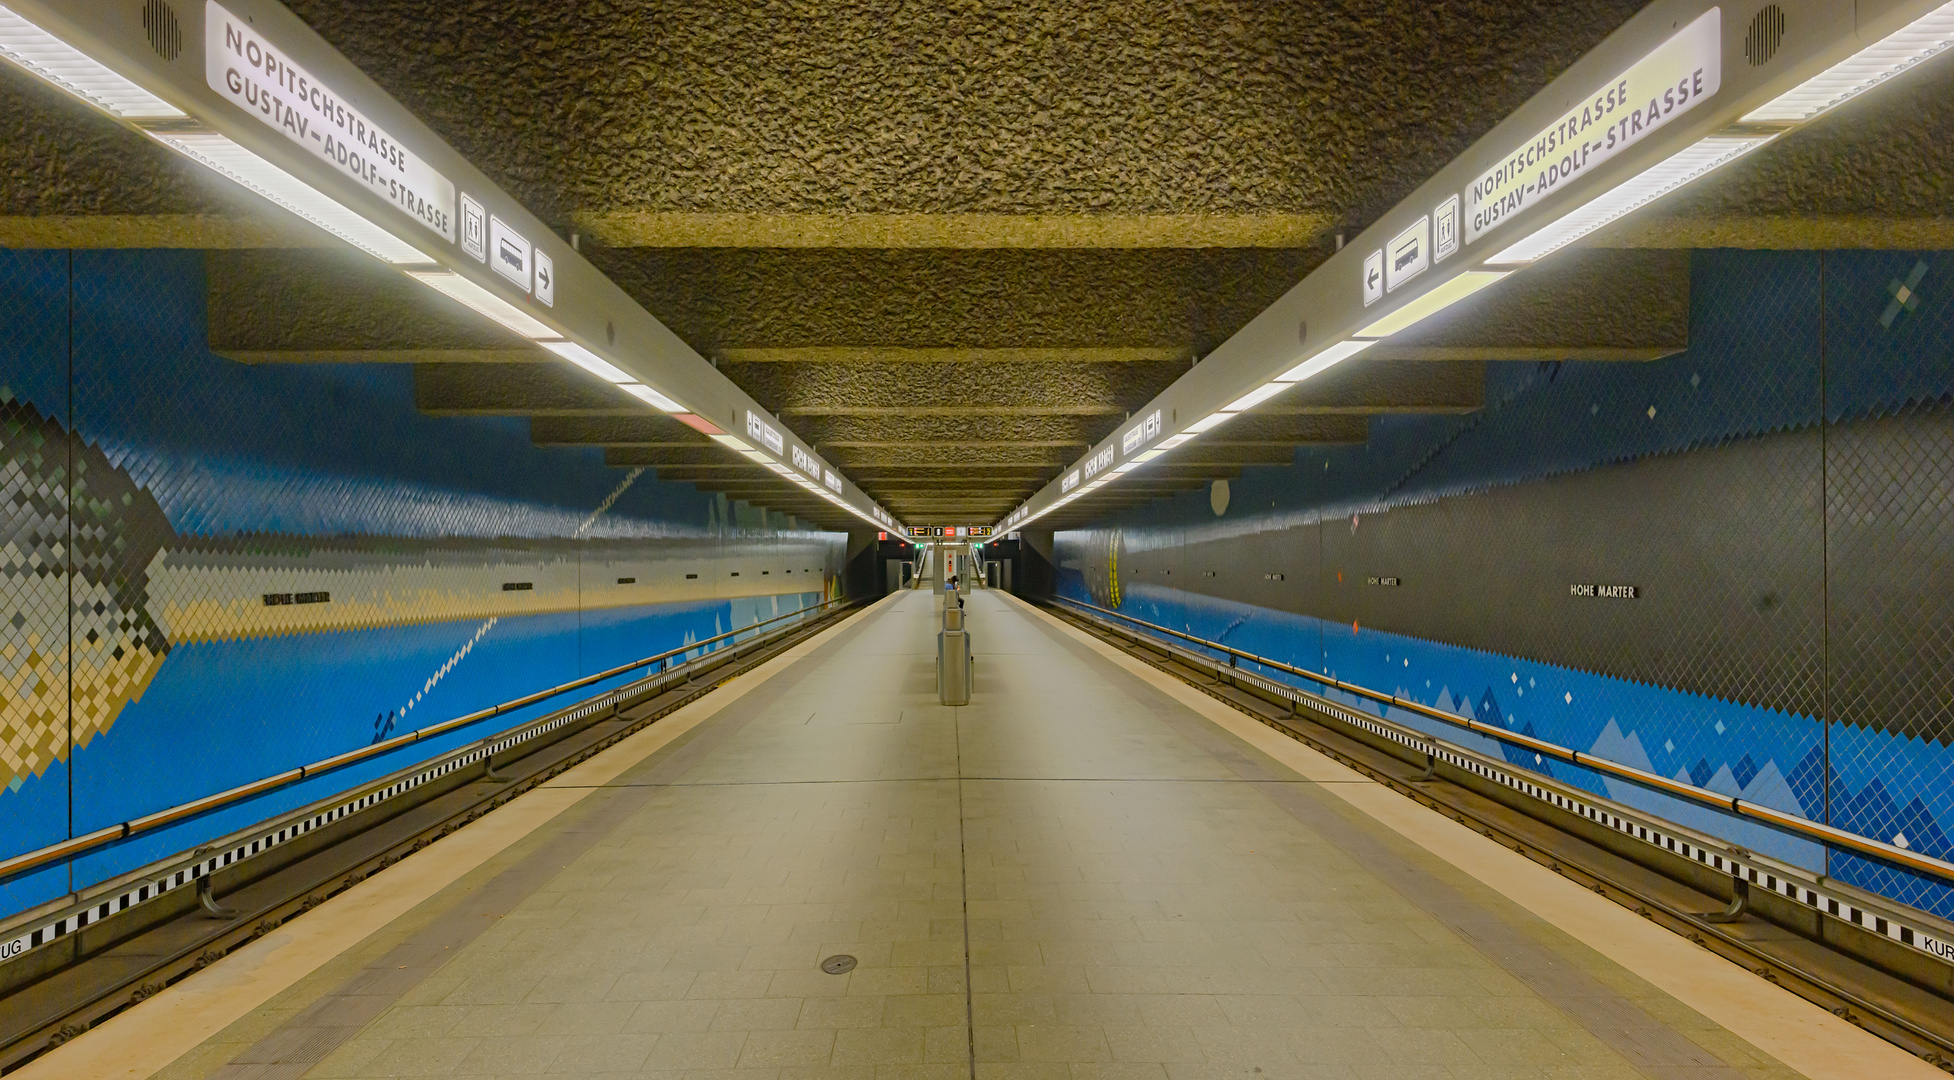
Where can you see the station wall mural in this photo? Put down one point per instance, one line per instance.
(1773, 508)
(213, 571)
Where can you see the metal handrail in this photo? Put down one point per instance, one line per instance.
(1777, 819)
(19, 864)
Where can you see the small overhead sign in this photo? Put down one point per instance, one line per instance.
(765, 432)
(509, 253)
(545, 280)
(474, 229)
(1408, 255)
(1445, 229)
(1373, 278)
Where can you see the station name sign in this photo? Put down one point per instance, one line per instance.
(1604, 592)
(256, 76)
(1680, 74)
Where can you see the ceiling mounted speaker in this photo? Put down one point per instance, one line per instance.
(165, 33)
(1766, 33)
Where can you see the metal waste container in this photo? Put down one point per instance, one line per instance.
(953, 663)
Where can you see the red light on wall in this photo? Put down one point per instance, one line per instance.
(881, 536)
(698, 423)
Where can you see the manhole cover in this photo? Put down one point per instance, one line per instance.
(838, 965)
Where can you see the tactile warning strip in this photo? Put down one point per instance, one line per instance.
(1769, 876)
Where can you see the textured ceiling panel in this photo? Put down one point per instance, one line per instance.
(1034, 106)
(949, 238)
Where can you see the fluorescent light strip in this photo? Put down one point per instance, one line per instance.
(1625, 198)
(483, 302)
(757, 457)
(1892, 55)
(1330, 357)
(222, 155)
(587, 360)
(1177, 440)
(1208, 422)
(78, 73)
(1255, 397)
(733, 441)
(57, 62)
(1438, 299)
(651, 397)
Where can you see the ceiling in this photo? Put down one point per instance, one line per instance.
(952, 245)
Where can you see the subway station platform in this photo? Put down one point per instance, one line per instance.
(1092, 871)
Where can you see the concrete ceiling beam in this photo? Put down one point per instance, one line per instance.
(342, 306)
(689, 457)
(898, 354)
(1364, 386)
(999, 431)
(1263, 431)
(517, 390)
(1583, 305)
(950, 388)
(645, 431)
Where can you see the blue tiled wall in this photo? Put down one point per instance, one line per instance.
(152, 492)
(1782, 345)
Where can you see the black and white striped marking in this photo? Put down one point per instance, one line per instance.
(190, 873)
(1773, 878)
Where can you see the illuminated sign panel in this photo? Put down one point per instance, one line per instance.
(1099, 462)
(1071, 481)
(833, 482)
(805, 462)
(764, 432)
(1445, 229)
(256, 76)
(1141, 433)
(510, 253)
(474, 229)
(1408, 254)
(1679, 75)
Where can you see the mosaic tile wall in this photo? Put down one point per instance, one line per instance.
(211, 571)
(1781, 495)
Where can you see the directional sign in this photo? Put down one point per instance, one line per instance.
(545, 280)
(1373, 278)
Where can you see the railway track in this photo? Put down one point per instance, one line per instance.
(115, 967)
(1918, 1018)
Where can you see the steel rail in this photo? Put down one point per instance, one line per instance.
(1577, 864)
(1777, 819)
(140, 961)
(103, 837)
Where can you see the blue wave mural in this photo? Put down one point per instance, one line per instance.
(215, 571)
(1778, 489)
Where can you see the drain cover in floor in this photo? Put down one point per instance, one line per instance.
(839, 964)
